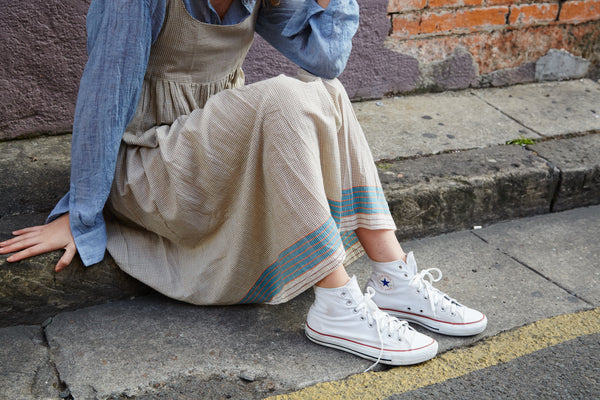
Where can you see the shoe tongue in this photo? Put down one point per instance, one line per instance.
(410, 264)
(353, 288)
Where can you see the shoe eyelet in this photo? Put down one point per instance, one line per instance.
(343, 294)
(421, 310)
(443, 309)
(362, 318)
(453, 314)
(355, 311)
(418, 291)
(349, 303)
(406, 275)
(371, 325)
(389, 335)
(408, 308)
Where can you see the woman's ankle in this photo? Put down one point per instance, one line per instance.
(338, 278)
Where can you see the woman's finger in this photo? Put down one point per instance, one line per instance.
(66, 259)
(26, 230)
(28, 252)
(23, 244)
(20, 238)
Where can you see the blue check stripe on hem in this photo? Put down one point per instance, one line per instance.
(359, 200)
(296, 260)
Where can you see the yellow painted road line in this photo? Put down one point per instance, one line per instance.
(498, 349)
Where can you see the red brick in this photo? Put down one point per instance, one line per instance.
(395, 6)
(438, 22)
(482, 17)
(454, 3)
(469, 20)
(502, 2)
(533, 14)
(580, 11)
(513, 2)
(405, 25)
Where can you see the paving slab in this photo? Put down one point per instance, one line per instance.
(454, 191)
(563, 247)
(434, 123)
(578, 160)
(480, 276)
(152, 345)
(35, 173)
(25, 368)
(550, 108)
(30, 290)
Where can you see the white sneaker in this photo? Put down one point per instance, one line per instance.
(408, 294)
(345, 319)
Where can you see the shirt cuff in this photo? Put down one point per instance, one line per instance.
(91, 243)
(62, 207)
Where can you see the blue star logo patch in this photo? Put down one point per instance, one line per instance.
(385, 282)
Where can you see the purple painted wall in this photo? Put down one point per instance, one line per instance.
(43, 44)
(43, 52)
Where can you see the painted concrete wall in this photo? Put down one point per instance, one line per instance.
(402, 46)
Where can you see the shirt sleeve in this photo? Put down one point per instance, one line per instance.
(120, 33)
(316, 39)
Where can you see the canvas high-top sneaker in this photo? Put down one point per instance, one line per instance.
(408, 294)
(345, 319)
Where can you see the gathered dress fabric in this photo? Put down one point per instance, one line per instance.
(225, 193)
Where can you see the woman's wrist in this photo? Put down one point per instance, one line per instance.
(323, 3)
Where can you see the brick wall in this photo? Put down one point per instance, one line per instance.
(503, 37)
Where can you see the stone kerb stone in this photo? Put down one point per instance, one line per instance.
(30, 290)
(455, 191)
(579, 163)
(35, 174)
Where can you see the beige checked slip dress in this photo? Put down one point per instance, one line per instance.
(225, 193)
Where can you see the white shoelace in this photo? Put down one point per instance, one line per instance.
(423, 281)
(383, 322)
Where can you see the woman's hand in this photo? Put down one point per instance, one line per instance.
(29, 242)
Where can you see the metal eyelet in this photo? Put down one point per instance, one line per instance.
(370, 325)
(343, 294)
(349, 303)
(362, 318)
(355, 311)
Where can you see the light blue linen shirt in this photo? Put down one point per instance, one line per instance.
(120, 33)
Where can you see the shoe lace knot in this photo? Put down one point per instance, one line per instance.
(423, 282)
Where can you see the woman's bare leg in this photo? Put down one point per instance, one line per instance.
(338, 278)
(380, 245)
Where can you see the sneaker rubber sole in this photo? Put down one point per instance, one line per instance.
(440, 326)
(390, 357)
